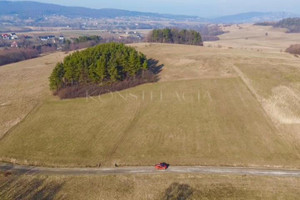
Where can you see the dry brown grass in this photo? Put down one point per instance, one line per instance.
(276, 81)
(272, 73)
(232, 126)
(180, 122)
(254, 37)
(139, 187)
(186, 62)
(23, 86)
(273, 77)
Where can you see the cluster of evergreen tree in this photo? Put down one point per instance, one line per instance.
(109, 62)
(87, 38)
(176, 36)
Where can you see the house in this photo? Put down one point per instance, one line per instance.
(13, 36)
(61, 37)
(43, 38)
(5, 36)
(46, 38)
(14, 44)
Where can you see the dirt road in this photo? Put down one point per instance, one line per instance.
(20, 170)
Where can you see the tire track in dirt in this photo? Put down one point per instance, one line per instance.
(125, 133)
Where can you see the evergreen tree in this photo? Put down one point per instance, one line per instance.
(56, 76)
(113, 71)
(132, 64)
(101, 68)
(175, 36)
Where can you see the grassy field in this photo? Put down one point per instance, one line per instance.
(148, 187)
(248, 36)
(183, 123)
(273, 75)
(23, 86)
(182, 62)
(200, 113)
(211, 106)
(237, 104)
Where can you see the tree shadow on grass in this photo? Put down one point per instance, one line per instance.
(155, 68)
(21, 185)
(178, 191)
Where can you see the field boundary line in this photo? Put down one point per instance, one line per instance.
(259, 99)
(124, 134)
(34, 109)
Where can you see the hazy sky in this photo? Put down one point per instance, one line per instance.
(203, 8)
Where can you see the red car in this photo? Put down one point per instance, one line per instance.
(161, 166)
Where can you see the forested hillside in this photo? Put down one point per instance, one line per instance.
(292, 24)
(37, 10)
(101, 65)
(15, 55)
(253, 17)
(176, 36)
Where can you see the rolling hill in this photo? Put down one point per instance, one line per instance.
(36, 10)
(252, 17)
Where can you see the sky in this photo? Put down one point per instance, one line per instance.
(202, 8)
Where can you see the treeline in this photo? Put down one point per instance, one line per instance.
(12, 55)
(15, 55)
(209, 32)
(294, 49)
(29, 49)
(90, 41)
(175, 36)
(101, 65)
(292, 24)
(82, 42)
(265, 23)
(81, 39)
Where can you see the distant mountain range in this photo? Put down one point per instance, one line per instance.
(29, 9)
(35, 10)
(253, 17)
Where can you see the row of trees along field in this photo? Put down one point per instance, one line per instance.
(16, 55)
(105, 63)
(176, 36)
(292, 24)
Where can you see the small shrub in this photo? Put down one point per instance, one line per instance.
(178, 191)
(294, 49)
